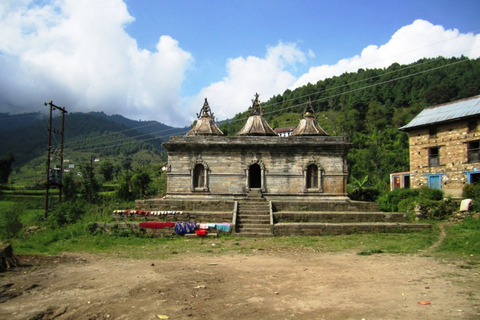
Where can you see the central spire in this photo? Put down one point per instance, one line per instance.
(256, 124)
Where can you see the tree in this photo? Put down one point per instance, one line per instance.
(6, 167)
(140, 182)
(70, 187)
(107, 169)
(89, 185)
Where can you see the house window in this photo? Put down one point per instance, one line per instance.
(473, 151)
(433, 157)
(312, 176)
(472, 126)
(433, 132)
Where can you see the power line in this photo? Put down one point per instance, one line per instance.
(103, 146)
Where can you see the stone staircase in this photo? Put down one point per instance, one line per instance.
(253, 216)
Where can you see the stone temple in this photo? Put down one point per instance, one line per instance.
(264, 184)
(206, 164)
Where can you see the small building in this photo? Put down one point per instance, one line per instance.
(284, 131)
(207, 164)
(445, 146)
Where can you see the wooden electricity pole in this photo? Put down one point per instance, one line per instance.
(54, 176)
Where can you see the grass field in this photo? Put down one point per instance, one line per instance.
(461, 242)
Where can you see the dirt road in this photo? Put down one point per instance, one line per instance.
(260, 285)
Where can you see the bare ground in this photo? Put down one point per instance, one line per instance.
(260, 285)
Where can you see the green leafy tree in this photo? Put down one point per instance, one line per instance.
(140, 182)
(107, 170)
(90, 187)
(70, 187)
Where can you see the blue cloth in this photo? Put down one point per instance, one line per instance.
(223, 227)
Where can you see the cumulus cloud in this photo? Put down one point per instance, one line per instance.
(78, 54)
(421, 39)
(246, 76)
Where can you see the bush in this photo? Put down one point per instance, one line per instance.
(436, 210)
(390, 201)
(66, 213)
(10, 224)
(430, 202)
(472, 191)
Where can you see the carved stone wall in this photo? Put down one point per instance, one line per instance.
(280, 164)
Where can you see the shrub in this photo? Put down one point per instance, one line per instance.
(430, 202)
(10, 224)
(436, 210)
(66, 213)
(472, 191)
(390, 201)
(431, 194)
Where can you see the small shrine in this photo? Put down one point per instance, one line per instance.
(206, 164)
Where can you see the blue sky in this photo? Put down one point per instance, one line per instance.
(158, 60)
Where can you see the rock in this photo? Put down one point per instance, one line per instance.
(7, 258)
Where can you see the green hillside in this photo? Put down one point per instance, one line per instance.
(87, 135)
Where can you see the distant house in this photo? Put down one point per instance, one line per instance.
(444, 147)
(285, 131)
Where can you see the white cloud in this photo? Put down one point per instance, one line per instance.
(421, 39)
(78, 54)
(247, 76)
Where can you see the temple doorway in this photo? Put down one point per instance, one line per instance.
(255, 178)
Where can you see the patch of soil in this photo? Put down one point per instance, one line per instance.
(261, 285)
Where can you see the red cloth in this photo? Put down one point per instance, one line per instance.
(156, 225)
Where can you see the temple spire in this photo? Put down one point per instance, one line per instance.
(205, 124)
(308, 126)
(256, 124)
(205, 111)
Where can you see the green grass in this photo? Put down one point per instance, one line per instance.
(462, 241)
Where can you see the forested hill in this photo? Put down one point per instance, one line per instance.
(368, 106)
(26, 135)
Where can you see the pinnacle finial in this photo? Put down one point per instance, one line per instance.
(309, 110)
(256, 106)
(205, 111)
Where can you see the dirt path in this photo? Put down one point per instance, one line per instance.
(260, 285)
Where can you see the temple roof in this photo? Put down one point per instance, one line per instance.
(256, 124)
(309, 126)
(205, 124)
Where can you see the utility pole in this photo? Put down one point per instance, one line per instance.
(54, 176)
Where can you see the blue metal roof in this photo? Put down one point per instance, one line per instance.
(446, 112)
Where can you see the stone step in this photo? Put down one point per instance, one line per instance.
(253, 218)
(346, 228)
(241, 225)
(254, 234)
(339, 217)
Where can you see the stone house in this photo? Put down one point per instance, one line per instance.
(207, 164)
(444, 147)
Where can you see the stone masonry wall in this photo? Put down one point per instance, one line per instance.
(283, 161)
(452, 140)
